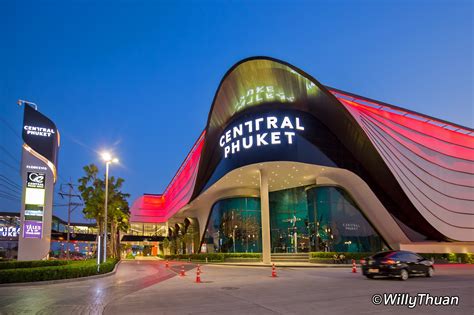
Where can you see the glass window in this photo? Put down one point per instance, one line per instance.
(289, 221)
(301, 220)
(337, 223)
(234, 226)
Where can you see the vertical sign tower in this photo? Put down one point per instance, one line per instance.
(38, 173)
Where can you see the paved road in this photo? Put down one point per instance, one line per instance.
(146, 287)
(85, 297)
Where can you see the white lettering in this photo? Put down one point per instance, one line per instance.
(290, 136)
(298, 125)
(261, 139)
(257, 123)
(235, 146)
(249, 144)
(286, 123)
(222, 141)
(253, 132)
(272, 122)
(237, 131)
(249, 125)
(275, 137)
(38, 131)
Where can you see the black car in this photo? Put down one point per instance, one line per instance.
(397, 263)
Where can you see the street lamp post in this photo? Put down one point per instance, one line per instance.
(108, 160)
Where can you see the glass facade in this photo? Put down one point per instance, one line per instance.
(302, 219)
(234, 226)
(147, 229)
(289, 221)
(337, 224)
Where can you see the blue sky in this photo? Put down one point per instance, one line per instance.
(138, 77)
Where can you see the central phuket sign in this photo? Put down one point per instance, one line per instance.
(258, 132)
(39, 131)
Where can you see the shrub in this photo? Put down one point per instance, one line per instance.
(467, 258)
(209, 256)
(212, 256)
(243, 255)
(130, 256)
(74, 269)
(31, 264)
(330, 255)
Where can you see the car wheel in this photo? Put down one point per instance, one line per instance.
(370, 276)
(403, 274)
(430, 272)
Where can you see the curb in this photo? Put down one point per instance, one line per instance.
(21, 284)
(282, 266)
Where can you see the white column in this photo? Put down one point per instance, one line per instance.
(265, 214)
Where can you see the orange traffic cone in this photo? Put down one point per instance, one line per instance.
(182, 274)
(198, 276)
(167, 265)
(274, 272)
(199, 268)
(354, 267)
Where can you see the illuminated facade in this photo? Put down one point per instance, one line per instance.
(287, 165)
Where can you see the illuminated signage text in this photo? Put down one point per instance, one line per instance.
(259, 132)
(38, 131)
(9, 231)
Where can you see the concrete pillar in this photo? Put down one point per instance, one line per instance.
(265, 214)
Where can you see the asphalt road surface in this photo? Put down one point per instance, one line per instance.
(147, 287)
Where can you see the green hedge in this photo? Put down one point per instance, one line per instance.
(13, 264)
(242, 255)
(74, 269)
(330, 255)
(325, 257)
(212, 256)
(466, 258)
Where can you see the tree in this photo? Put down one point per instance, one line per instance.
(166, 246)
(92, 189)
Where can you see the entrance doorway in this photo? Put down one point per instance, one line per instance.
(289, 221)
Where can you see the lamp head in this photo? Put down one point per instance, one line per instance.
(106, 156)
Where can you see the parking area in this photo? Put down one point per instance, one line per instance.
(147, 287)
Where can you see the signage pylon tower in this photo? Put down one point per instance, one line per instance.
(39, 173)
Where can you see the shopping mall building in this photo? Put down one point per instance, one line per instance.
(288, 165)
